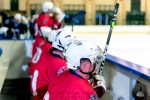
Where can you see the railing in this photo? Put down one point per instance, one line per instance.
(124, 79)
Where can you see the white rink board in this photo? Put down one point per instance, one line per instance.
(131, 47)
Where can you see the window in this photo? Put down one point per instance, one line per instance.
(103, 17)
(35, 9)
(135, 5)
(69, 15)
(135, 17)
(14, 5)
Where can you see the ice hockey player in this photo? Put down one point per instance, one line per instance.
(82, 59)
(16, 27)
(51, 66)
(44, 18)
(57, 14)
(41, 46)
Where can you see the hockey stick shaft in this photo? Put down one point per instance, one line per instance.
(113, 21)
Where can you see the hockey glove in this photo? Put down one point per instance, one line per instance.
(99, 85)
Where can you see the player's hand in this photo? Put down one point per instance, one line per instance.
(99, 85)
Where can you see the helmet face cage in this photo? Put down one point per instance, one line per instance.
(96, 55)
(99, 58)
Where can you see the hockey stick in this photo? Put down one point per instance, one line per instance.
(113, 21)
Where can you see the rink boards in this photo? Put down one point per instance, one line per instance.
(134, 47)
(122, 48)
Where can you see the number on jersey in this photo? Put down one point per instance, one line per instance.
(37, 55)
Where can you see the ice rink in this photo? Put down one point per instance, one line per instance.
(131, 47)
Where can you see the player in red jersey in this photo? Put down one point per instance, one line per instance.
(82, 59)
(40, 47)
(52, 65)
(58, 16)
(44, 18)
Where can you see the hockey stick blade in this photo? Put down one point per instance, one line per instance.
(113, 21)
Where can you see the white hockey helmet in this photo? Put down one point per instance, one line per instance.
(17, 17)
(56, 10)
(45, 31)
(47, 6)
(82, 49)
(62, 38)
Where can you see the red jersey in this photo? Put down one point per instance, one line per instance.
(70, 86)
(36, 45)
(43, 20)
(46, 71)
(38, 42)
(41, 51)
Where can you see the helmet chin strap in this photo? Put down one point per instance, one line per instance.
(90, 73)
